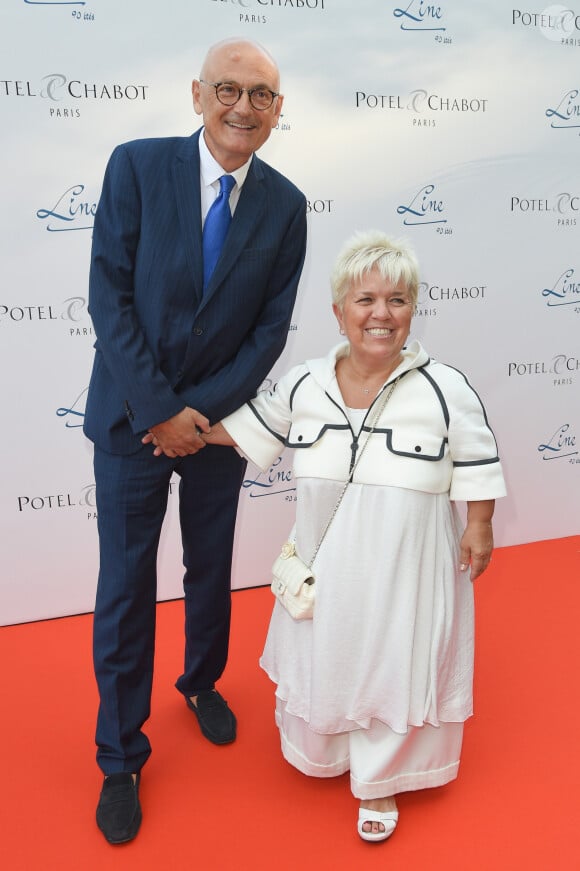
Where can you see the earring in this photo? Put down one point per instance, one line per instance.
(341, 331)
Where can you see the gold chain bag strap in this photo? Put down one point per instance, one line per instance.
(293, 580)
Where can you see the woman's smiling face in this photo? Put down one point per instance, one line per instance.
(376, 319)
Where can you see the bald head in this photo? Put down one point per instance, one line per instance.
(235, 52)
(235, 130)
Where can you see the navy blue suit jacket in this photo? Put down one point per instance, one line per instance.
(160, 345)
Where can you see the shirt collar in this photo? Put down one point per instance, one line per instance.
(210, 169)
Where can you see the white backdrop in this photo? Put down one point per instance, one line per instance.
(455, 125)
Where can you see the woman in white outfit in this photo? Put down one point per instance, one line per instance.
(379, 682)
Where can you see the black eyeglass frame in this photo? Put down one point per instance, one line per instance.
(249, 91)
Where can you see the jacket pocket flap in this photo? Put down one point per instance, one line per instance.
(422, 447)
(306, 433)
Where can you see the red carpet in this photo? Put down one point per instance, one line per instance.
(514, 806)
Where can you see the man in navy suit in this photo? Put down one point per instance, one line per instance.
(171, 357)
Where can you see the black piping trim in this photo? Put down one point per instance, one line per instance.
(264, 424)
(459, 463)
(478, 399)
(295, 388)
(438, 393)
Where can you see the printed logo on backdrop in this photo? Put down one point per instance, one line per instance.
(561, 369)
(424, 108)
(57, 88)
(566, 113)
(432, 297)
(71, 211)
(252, 11)
(561, 445)
(556, 23)
(319, 207)
(78, 14)
(283, 124)
(84, 500)
(562, 208)
(421, 17)
(426, 208)
(73, 312)
(73, 415)
(277, 481)
(565, 291)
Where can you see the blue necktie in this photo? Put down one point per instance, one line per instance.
(216, 226)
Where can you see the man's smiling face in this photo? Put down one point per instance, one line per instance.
(233, 133)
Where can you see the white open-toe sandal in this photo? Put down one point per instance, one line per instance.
(387, 818)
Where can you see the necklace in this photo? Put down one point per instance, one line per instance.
(367, 388)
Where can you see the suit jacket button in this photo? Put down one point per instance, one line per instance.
(198, 331)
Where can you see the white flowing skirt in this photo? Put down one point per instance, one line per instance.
(392, 634)
(381, 762)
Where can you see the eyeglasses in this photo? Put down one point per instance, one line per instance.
(229, 94)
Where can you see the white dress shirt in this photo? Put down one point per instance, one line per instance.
(210, 173)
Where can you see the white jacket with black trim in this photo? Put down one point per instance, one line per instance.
(432, 436)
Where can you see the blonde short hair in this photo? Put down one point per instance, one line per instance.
(373, 249)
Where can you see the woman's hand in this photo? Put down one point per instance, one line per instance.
(477, 540)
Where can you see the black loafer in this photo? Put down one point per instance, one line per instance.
(119, 811)
(216, 721)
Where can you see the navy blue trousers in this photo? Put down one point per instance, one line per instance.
(131, 497)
